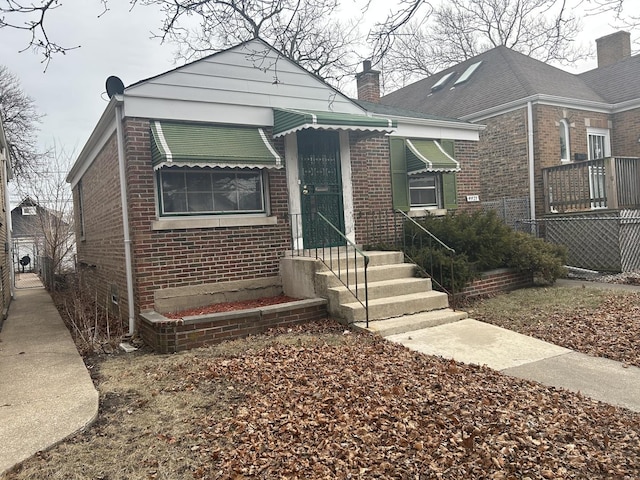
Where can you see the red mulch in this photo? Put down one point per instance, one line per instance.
(231, 306)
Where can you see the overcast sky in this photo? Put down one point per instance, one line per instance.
(71, 93)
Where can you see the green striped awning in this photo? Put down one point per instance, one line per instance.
(428, 156)
(210, 145)
(288, 121)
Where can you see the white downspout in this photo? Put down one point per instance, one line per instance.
(6, 173)
(532, 187)
(125, 219)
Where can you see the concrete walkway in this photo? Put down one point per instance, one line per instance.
(474, 342)
(46, 393)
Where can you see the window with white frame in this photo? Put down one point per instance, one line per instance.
(425, 191)
(598, 144)
(207, 191)
(565, 150)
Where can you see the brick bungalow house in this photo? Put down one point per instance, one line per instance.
(559, 150)
(6, 272)
(199, 179)
(538, 116)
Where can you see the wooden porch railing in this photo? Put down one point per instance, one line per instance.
(612, 183)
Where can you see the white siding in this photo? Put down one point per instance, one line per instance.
(251, 75)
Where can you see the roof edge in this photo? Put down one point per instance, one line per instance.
(85, 159)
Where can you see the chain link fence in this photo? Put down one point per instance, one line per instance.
(605, 242)
(510, 210)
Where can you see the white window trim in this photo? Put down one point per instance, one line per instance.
(604, 132)
(439, 194)
(564, 125)
(205, 220)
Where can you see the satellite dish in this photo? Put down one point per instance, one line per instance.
(114, 86)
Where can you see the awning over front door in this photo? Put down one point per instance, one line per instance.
(428, 156)
(288, 121)
(210, 145)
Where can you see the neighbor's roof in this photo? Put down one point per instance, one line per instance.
(392, 111)
(618, 82)
(504, 76)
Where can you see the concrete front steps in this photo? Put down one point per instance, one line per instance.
(411, 323)
(398, 300)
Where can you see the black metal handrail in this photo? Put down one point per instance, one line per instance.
(450, 251)
(327, 258)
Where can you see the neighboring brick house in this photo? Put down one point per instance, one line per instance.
(6, 272)
(538, 116)
(201, 178)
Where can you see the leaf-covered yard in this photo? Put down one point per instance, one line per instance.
(316, 403)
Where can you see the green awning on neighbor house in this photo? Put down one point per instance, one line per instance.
(428, 156)
(288, 121)
(210, 145)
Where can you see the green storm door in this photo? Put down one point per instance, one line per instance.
(320, 187)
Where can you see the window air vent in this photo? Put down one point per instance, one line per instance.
(440, 83)
(467, 73)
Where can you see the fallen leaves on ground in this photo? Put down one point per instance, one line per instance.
(315, 402)
(231, 306)
(610, 327)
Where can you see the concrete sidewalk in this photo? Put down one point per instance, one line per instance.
(46, 393)
(474, 342)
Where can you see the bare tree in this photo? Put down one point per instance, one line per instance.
(305, 31)
(53, 219)
(29, 16)
(20, 118)
(460, 29)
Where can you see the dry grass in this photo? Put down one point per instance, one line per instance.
(316, 403)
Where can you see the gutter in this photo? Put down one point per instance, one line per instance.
(125, 217)
(531, 153)
(545, 99)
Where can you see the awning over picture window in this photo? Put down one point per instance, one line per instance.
(210, 145)
(428, 156)
(288, 121)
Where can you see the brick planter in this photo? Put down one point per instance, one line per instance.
(167, 335)
(498, 281)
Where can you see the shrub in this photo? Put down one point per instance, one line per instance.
(481, 242)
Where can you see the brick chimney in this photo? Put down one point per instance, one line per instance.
(368, 82)
(613, 48)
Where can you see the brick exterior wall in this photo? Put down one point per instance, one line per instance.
(503, 150)
(168, 336)
(497, 281)
(172, 258)
(547, 139)
(625, 134)
(503, 155)
(469, 177)
(371, 177)
(100, 252)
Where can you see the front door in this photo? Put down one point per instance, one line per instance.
(320, 187)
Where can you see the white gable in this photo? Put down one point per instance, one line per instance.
(240, 85)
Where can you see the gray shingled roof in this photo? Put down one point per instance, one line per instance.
(618, 82)
(390, 110)
(503, 77)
